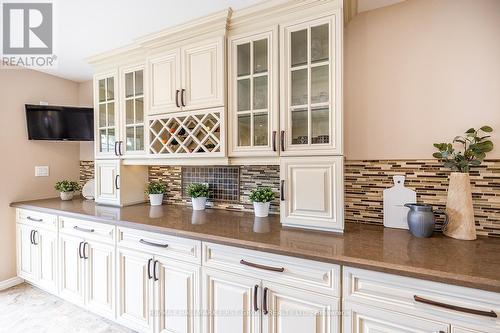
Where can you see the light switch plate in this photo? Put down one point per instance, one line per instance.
(42, 171)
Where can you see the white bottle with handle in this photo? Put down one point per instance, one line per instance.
(395, 213)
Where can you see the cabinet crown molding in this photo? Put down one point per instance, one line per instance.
(216, 22)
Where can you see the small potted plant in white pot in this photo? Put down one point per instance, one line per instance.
(198, 193)
(67, 189)
(261, 198)
(155, 190)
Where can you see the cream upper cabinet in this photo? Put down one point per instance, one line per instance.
(132, 111)
(164, 82)
(312, 192)
(253, 86)
(107, 176)
(187, 78)
(106, 119)
(203, 72)
(291, 310)
(311, 94)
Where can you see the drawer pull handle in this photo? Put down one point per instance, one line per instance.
(264, 310)
(490, 314)
(33, 219)
(83, 229)
(255, 292)
(267, 268)
(153, 244)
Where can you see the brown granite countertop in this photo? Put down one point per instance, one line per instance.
(473, 264)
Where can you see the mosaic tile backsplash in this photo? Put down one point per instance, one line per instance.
(364, 185)
(224, 182)
(366, 180)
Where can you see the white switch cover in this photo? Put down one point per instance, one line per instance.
(42, 171)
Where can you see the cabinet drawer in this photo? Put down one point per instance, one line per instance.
(37, 219)
(301, 273)
(164, 245)
(86, 229)
(419, 297)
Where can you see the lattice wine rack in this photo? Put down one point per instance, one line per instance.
(192, 132)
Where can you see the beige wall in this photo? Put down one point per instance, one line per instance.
(20, 156)
(419, 72)
(85, 98)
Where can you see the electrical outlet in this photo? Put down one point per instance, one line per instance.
(42, 171)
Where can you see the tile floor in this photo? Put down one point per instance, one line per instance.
(26, 309)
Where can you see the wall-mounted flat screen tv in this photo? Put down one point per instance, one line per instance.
(60, 123)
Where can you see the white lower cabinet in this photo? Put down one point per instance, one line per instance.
(231, 302)
(157, 294)
(266, 295)
(368, 319)
(37, 256)
(293, 310)
(87, 274)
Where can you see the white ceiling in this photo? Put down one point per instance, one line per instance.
(88, 27)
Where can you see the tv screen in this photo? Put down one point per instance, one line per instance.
(60, 123)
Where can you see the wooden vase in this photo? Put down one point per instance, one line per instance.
(459, 208)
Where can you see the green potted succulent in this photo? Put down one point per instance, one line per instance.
(261, 198)
(199, 193)
(463, 153)
(67, 189)
(155, 190)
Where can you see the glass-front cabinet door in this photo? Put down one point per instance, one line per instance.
(311, 97)
(132, 142)
(253, 106)
(106, 115)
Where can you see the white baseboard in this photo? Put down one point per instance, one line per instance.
(10, 282)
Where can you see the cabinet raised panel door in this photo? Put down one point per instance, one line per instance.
(177, 296)
(107, 181)
(203, 75)
(100, 277)
(135, 290)
(47, 259)
(229, 303)
(165, 83)
(312, 192)
(72, 269)
(25, 253)
(366, 319)
(293, 310)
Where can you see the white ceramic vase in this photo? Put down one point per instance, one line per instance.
(199, 203)
(156, 199)
(65, 196)
(261, 209)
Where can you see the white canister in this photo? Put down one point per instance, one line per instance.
(261, 209)
(67, 195)
(199, 203)
(156, 199)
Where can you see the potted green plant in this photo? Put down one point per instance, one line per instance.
(155, 190)
(261, 198)
(67, 189)
(199, 194)
(473, 148)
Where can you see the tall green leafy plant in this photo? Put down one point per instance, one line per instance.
(472, 150)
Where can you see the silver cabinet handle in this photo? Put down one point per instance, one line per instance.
(116, 150)
(149, 269)
(117, 177)
(153, 244)
(80, 250)
(83, 229)
(259, 266)
(183, 91)
(34, 237)
(33, 219)
(31, 237)
(155, 277)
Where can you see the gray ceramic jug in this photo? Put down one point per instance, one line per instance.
(421, 219)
